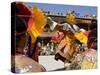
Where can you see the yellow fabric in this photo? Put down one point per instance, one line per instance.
(34, 34)
(70, 44)
(70, 41)
(40, 20)
(38, 24)
(81, 37)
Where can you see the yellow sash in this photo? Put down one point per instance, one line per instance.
(81, 37)
(37, 26)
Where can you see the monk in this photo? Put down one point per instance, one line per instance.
(20, 63)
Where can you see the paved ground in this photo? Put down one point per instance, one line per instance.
(50, 64)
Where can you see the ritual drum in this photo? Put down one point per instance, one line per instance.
(23, 64)
(89, 60)
(85, 60)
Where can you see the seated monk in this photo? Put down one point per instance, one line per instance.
(20, 62)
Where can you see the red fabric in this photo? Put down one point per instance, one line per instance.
(23, 11)
(86, 33)
(30, 23)
(57, 39)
